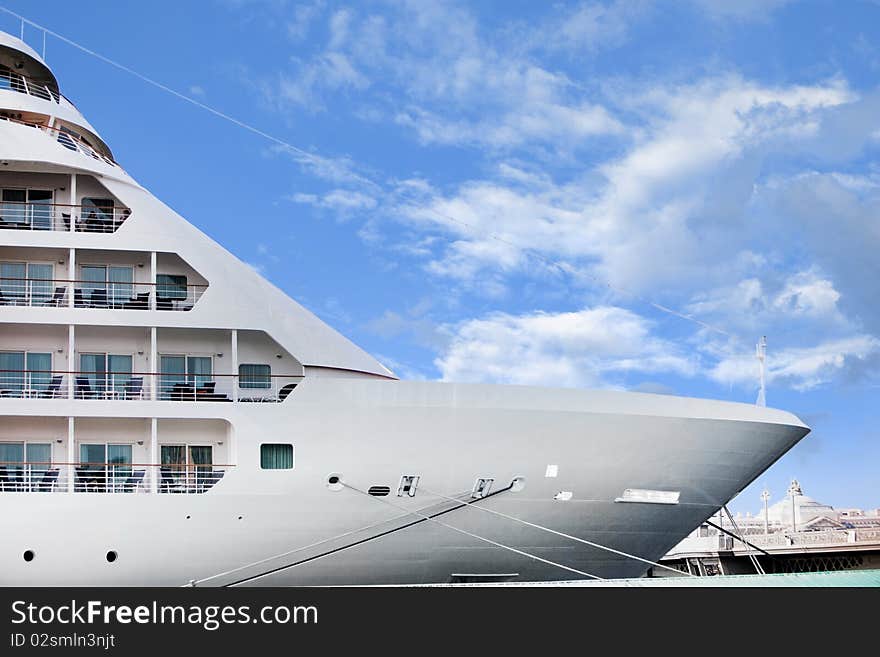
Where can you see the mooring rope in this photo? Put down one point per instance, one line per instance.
(476, 536)
(552, 531)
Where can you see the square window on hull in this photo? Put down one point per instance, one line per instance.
(277, 456)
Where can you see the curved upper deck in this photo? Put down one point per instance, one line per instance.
(29, 93)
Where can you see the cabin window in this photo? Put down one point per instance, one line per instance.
(254, 376)
(102, 286)
(278, 456)
(23, 283)
(171, 286)
(103, 373)
(23, 463)
(24, 374)
(27, 207)
(182, 376)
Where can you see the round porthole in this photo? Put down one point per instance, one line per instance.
(112, 556)
(28, 555)
(517, 484)
(334, 481)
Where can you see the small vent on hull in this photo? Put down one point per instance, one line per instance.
(379, 491)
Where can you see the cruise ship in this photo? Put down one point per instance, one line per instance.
(169, 417)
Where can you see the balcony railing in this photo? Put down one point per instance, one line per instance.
(81, 477)
(66, 139)
(89, 294)
(12, 81)
(58, 216)
(140, 386)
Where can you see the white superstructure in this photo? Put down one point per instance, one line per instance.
(168, 416)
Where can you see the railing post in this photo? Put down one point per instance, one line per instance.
(71, 457)
(154, 364)
(154, 455)
(71, 360)
(73, 205)
(154, 290)
(234, 363)
(71, 274)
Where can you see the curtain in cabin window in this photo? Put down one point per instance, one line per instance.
(41, 287)
(119, 371)
(254, 376)
(11, 468)
(171, 286)
(201, 458)
(198, 370)
(11, 373)
(13, 283)
(276, 456)
(39, 373)
(173, 372)
(119, 459)
(38, 457)
(94, 368)
(119, 283)
(173, 465)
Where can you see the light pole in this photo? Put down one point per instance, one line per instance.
(765, 496)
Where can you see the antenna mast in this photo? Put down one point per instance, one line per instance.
(761, 352)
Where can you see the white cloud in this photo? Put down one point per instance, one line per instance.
(592, 347)
(342, 201)
(741, 10)
(665, 192)
(801, 368)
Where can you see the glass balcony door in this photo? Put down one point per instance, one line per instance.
(24, 374)
(181, 376)
(104, 285)
(27, 208)
(186, 468)
(107, 374)
(39, 206)
(25, 283)
(104, 467)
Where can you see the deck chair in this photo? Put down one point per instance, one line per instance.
(133, 481)
(53, 390)
(133, 387)
(56, 299)
(83, 389)
(47, 483)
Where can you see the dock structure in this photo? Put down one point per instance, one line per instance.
(795, 535)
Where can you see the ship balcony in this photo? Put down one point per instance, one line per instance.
(24, 84)
(65, 136)
(112, 477)
(173, 295)
(135, 363)
(114, 455)
(38, 215)
(173, 386)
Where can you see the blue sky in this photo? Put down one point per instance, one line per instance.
(501, 191)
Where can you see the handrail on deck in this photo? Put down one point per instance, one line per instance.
(105, 477)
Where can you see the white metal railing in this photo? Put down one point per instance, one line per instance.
(140, 386)
(106, 295)
(16, 215)
(65, 138)
(81, 477)
(12, 81)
